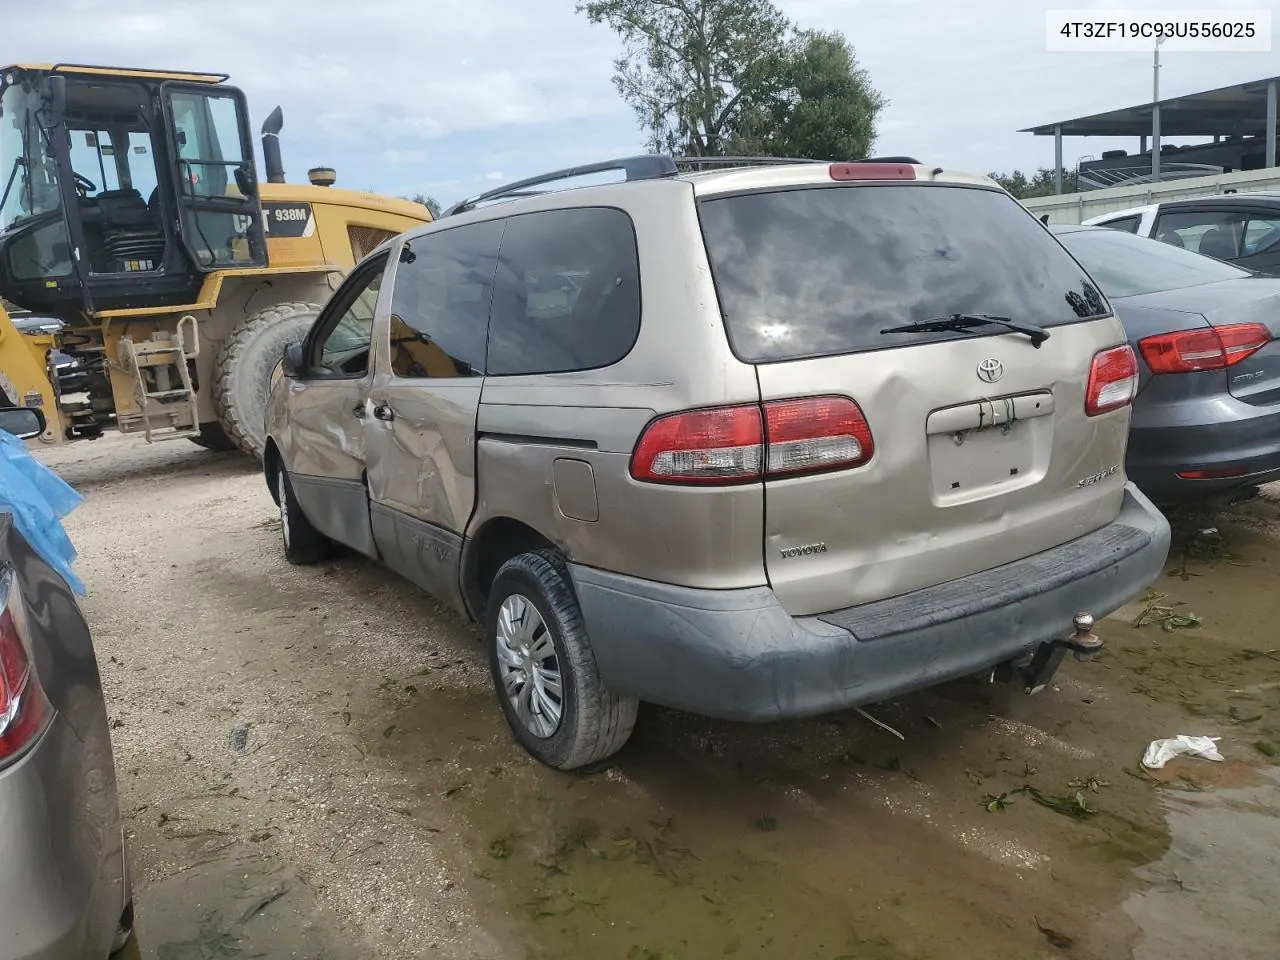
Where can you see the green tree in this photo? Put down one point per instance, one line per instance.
(823, 105)
(714, 77)
(429, 202)
(1039, 184)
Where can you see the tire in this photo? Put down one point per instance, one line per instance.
(594, 722)
(303, 543)
(243, 367)
(124, 930)
(213, 437)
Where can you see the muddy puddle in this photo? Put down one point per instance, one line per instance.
(999, 827)
(236, 906)
(1213, 894)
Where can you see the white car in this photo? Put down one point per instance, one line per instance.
(1242, 229)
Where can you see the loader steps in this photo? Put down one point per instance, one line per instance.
(163, 394)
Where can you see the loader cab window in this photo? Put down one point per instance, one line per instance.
(93, 158)
(209, 131)
(114, 161)
(29, 181)
(209, 147)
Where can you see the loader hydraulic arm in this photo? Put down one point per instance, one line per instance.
(24, 381)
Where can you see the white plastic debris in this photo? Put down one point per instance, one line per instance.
(1160, 752)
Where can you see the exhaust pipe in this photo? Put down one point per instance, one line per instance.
(271, 146)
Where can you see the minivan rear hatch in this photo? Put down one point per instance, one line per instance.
(963, 449)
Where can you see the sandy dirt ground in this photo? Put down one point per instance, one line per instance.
(313, 765)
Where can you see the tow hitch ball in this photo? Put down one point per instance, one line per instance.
(1083, 643)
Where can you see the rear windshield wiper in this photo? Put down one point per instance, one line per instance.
(967, 321)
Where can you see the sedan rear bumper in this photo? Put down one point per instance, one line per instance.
(738, 655)
(59, 813)
(1215, 434)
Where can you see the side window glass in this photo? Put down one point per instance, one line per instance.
(440, 302)
(1208, 232)
(1127, 224)
(93, 156)
(142, 165)
(1261, 235)
(567, 296)
(344, 351)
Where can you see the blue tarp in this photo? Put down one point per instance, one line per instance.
(38, 499)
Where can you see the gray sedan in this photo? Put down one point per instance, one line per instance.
(64, 893)
(1207, 415)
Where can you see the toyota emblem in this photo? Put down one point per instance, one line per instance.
(990, 370)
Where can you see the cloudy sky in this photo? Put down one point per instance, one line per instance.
(447, 96)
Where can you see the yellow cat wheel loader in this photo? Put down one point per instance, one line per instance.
(155, 280)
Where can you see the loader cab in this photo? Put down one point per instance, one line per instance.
(122, 189)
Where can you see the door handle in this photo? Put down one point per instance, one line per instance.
(383, 412)
(358, 411)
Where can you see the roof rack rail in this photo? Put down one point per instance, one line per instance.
(770, 161)
(646, 167)
(700, 162)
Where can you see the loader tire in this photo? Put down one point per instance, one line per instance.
(243, 367)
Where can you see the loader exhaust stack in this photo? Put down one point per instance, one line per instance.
(271, 146)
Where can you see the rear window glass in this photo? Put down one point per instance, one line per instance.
(1126, 266)
(814, 272)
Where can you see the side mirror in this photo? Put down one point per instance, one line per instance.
(245, 183)
(23, 422)
(295, 362)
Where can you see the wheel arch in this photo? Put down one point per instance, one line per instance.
(270, 465)
(493, 543)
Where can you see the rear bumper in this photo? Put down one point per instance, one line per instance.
(736, 654)
(1211, 434)
(61, 826)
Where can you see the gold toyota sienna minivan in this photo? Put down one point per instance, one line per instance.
(761, 441)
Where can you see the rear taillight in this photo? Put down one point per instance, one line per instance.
(1113, 380)
(816, 433)
(721, 445)
(1211, 348)
(742, 444)
(24, 709)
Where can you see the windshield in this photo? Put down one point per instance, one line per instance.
(1128, 266)
(817, 272)
(30, 176)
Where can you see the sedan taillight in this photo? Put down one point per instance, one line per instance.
(1212, 348)
(24, 708)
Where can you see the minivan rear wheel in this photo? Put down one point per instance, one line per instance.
(544, 671)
